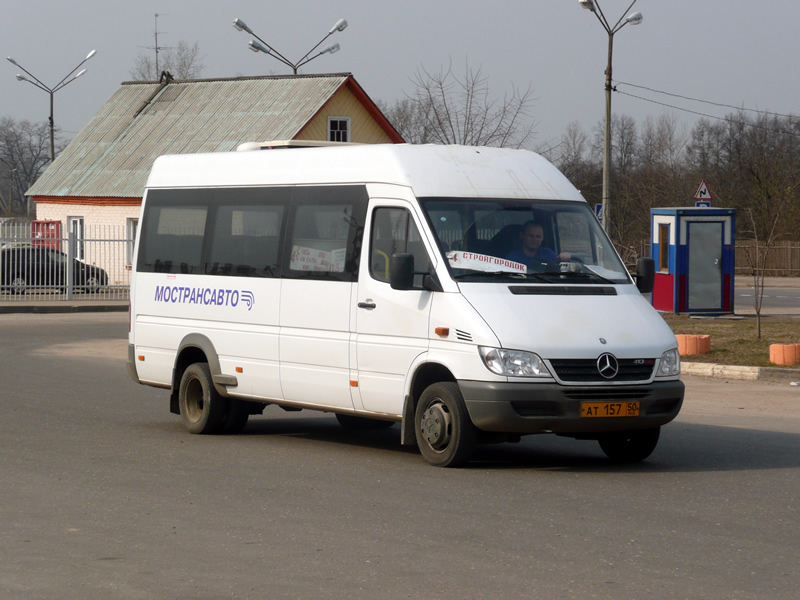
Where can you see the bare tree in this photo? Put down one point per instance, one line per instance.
(572, 151)
(408, 119)
(662, 142)
(24, 155)
(446, 108)
(183, 62)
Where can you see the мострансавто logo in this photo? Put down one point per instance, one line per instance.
(178, 294)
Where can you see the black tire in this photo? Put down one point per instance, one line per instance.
(18, 285)
(201, 407)
(236, 415)
(630, 446)
(93, 284)
(354, 422)
(445, 434)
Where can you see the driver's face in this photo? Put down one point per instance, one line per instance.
(532, 238)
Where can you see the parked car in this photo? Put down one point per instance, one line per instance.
(24, 267)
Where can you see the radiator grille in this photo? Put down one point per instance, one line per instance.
(585, 370)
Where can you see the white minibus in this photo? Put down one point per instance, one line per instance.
(468, 294)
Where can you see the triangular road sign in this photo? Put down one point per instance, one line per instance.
(703, 193)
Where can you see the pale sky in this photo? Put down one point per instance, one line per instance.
(736, 52)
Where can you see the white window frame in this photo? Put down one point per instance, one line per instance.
(333, 135)
(131, 226)
(76, 225)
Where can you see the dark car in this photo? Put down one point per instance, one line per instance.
(23, 267)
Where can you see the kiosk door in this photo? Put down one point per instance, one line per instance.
(705, 266)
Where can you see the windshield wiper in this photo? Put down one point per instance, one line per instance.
(493, 274)
(584, 273)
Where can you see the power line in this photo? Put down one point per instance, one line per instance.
(725, 119)
(739, 108)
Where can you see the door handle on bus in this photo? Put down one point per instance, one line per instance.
(368, 304)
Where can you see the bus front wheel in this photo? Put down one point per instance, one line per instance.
(445, 434)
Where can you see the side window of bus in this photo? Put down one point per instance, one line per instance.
(394, 232)
(173, 230)
(247, 232)
(325, 232)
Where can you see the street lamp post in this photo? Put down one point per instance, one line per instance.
(633, 19)
(68, 78)
(262, 46)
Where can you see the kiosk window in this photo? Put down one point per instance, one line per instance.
(663, 248)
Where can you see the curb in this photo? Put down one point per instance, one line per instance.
(742, 373)
(62, 307)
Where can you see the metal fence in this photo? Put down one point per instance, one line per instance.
(94, 265)
(782, 259)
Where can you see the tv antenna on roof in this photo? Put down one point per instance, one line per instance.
(157, 48)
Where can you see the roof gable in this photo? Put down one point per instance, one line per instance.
(112, 155)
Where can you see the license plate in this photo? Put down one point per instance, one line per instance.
(609, 409)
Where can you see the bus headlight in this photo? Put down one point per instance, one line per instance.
(670, 364)
(513, 363)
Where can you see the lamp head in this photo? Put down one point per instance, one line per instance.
(91, 54)
(256, 47)
(242, 26)
(79, 73)
(587, 4)
(332, 49)
(11, 60)
(340, 25)
(634, 18)
(21, 78)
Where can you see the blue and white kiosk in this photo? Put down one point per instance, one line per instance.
(694, 252)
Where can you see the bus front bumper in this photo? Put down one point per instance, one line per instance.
(523, 408)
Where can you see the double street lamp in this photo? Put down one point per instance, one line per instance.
(262, 46)
(68, 78)
(633, 19)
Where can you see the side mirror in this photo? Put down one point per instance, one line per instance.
(401, 271)
(645, 274)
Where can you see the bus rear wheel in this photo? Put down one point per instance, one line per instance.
(201, 407)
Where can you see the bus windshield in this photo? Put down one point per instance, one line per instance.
(509, 240)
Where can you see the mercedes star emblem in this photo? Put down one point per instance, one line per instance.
(607, 365)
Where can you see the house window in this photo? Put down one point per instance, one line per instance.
(338, 129)
(131, 225)
(75, 227)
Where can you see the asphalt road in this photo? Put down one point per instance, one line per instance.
(103, 495)
(775, 300)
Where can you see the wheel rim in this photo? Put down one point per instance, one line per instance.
(194, 400)
(436, 425)
(18, 285)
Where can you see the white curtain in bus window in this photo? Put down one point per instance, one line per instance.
(246, 241)
(320, 236)
(176, 242)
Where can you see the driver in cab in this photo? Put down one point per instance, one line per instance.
(532, 236)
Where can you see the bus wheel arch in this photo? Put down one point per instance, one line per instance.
(425, 375)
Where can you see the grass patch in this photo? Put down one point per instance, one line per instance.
(735, 341)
